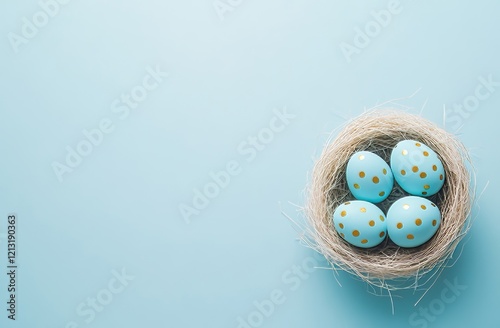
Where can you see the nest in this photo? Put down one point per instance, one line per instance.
(379, 131)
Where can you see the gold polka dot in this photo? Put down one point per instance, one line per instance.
(382, 234)
(376, 180)
(418, 222)
(434, 168)
(371, 223)
(424, 193)
(364, 241)
(363, 210)
(361, 157)
(347, 203)
(384, 171)
(410, 236)
(423, 207)
(343, 213)
(441, 177)
(406, 206)
(423, 175)
(426, 154)
(399, 225)
(382, 193)
(362, 174)
(427, 187)
(342, 235)
(405, 152)
(341, 225)
(418, 144)
(415, 169)
(434, 222)
(356, 186)
(433, 205)
(382, 218)
(355, 233)
(403, 172)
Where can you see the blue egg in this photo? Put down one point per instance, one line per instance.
(360, 223)
(412, 221)
(417, 168)
(369, 177)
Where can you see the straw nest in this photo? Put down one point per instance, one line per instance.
(379, 131)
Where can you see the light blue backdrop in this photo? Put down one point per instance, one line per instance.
(102, 241)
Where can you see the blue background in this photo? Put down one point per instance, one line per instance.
(119, 209)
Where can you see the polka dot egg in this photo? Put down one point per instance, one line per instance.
(369, 177)
(417, 168)
(412, 221)
(360, 223)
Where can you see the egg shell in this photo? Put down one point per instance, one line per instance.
(360, 223)
(412, 221)
(369, 177)
(417, 168)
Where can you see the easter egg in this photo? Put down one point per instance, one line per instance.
(417, 168)
(412, 221)
(369, 177)
(360, 223)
